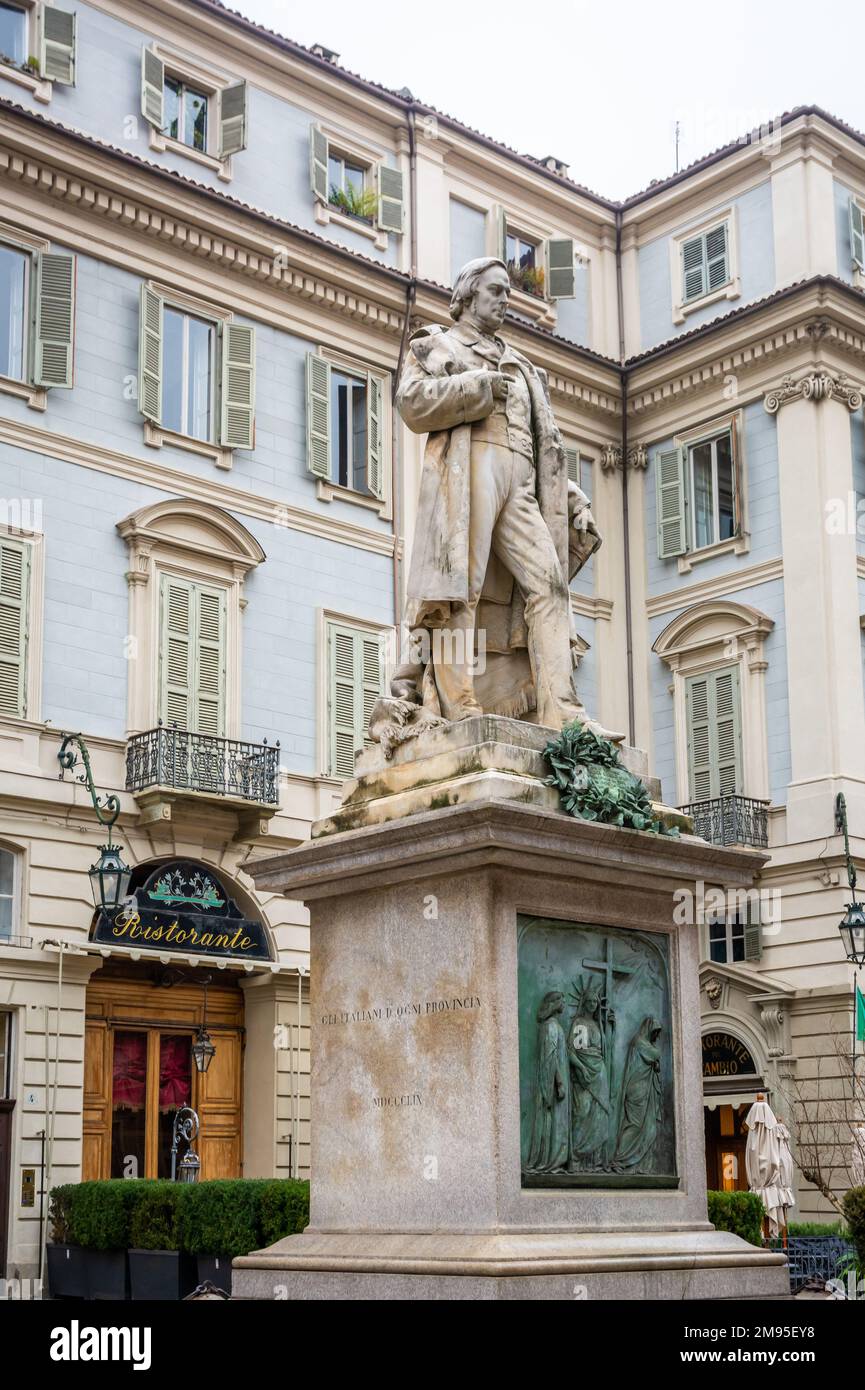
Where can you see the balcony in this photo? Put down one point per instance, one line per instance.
(731, 820)
(167, 766)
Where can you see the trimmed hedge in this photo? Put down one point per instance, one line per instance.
(854, 1210)
(803, 1229)
(739, 1212)
(221, 1217)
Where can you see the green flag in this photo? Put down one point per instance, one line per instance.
(860, 1015)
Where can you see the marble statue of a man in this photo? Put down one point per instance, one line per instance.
(500, 528)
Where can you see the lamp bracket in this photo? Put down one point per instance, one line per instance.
(73, 750)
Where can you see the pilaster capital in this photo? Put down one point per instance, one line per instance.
(816, 386)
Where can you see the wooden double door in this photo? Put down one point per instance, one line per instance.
(139, 1069)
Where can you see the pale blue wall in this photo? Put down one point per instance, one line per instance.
(769, 599)
(756, 270)
(760, 471)
(272, 174)
(572, 315)
(468, 235)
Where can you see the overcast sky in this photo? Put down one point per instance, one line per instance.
(600, 85)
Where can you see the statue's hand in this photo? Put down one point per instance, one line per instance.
(499, 384)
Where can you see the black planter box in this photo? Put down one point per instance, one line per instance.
(107, 1275)
(67, 1271)
(216, 1268)
(160, 1276)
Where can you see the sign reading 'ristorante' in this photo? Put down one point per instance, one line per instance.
(724, 1055)
(183, 907)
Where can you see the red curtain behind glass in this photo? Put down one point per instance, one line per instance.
(130, 1070)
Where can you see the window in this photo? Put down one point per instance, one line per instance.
(726, 938)
(857, 235)
(711, 477)
(37, 316)
(345, 435)
(193, 109)
(192, 656)
(14, 296)
(142, 1120)
(196, 375)
(543, 269)
(37, 46)
(522, 258)
(713, 715)
(697, 486)
(8, 895)
(13, 34)
(354, 677)
(579, 469)
(185, 113)
(14, 626)
(188, 351)
(346, 183)
(705, 263)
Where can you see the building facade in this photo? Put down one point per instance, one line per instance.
(213, 247)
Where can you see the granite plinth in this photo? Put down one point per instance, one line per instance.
(417, 1189)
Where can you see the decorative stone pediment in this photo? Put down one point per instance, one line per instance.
(721, 621)
(188, 531)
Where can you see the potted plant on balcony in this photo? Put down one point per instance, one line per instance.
(159, 1269)
(528, 278)
(103, 1211)
(67, 1272)
(361, 204)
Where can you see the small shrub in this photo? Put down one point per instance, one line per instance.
(817, 1228)
(60, 1214)
(156, 1219)
(220, 1217)
(102, 1212)
(283, 1208)
(739, 1212)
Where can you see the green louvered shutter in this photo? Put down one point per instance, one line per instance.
(355, 683)
(375, 451)
(232, 119)
(753, 932)
(237, 388)
(857, 235)
(210, 661)
(670, 501)
(501, 226)
(53, 319)
(317, 415)
(57, 43)
(714, 734)
(390, 199)
(561, 270)
(693, 272)
(14, 590)
(573, 460)
(717, 270)
(318, 158)
(192, 656)
(150, 354)
(152, 89)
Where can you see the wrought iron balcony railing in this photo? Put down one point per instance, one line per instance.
(731, 820)
(171, 757)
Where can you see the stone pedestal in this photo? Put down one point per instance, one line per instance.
(418, 1189)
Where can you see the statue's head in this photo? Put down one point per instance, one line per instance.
(483, 287)
(550, 1005)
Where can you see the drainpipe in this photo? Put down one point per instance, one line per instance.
(626, 530)
(410, 295)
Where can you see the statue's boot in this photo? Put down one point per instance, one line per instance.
(583, 715)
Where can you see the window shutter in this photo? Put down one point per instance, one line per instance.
(693, 279)
(54, 319)
(857, 235)
(753, 932)
(354, 659)
(14, 587)
(150, 354)
(57, 42)
(716, 258)
(573, 460)
(317, 415)
(501, 226)
(210, 662)
(237, 393)
(175, 653)
(390, 199)
(152, 88)
(375, 452)
(192, 656)
(232, 119)
(561, 271)
(670, 495)
(714, 734)
(318, 157)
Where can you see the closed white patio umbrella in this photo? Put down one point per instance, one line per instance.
(763, 1161)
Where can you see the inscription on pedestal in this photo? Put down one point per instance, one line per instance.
(596, 1074)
